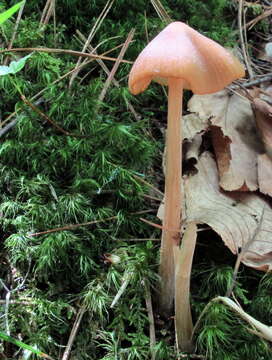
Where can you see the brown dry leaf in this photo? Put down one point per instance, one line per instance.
(263, 117)
(233, 216)
(234, 135)
(265, 174)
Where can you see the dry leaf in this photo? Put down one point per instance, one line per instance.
(265, 174)
(263, 117)
(234, 137)
(233, 216)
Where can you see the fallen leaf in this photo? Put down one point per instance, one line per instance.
(234, 216)
(235, 142)
(265, 174)
(263, 117)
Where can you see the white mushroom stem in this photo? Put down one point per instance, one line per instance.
(172, 201)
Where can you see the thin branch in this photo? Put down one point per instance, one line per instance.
(242, 38)
(126, 279)
(152, 333)
(115, 82)
(64, 51)
(75, 226)
(54, 82)
(250, 83)
(148, 184)
(96, 26)
(264, 15)
(15, 30)
(116, 65)
(72, 226)
(160, 10)
(47, 118)
(44, 12)
(73, 333)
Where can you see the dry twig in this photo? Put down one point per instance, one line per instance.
(116, 65)
(49, 120)
(96, 26)
(73, 333)
(75, 226)
(152, 334)
(64, 51)
(20, 13)
(243, 37)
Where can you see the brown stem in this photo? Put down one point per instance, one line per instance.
(183, 264)
(172, 207)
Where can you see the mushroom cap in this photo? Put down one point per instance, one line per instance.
(179, 51)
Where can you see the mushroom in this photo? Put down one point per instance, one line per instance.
(181, 58)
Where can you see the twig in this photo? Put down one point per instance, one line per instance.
(45, 10)
(126, 278)
(115, 82)
(116, 65)
(96, 26)
(64, 51)
(253, 22)
(136, 239)
(242, 39)
(9, 126)
(152, 333)
(160, 10)
(72, 226)
(50, 12)
(15, 30)
(246, 84)
(148, 184)
(47, 118)
(18, 302)
(75, 226)
(54, 82)
(73, 333)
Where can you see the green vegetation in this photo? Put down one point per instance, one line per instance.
(89, 167)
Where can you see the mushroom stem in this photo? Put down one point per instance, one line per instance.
(183, 256)
(172, 201)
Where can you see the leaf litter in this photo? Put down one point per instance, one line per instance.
(224, 191)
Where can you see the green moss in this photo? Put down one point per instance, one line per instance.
(50, 180)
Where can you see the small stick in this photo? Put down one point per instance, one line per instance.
(126, 279)
(45, 10)
(107, 71)
(253, 22)
(74, 226)
(73, 333)
(152, 333)
(15, 30)
(246, 84)
(64, 51)
(116, 65)
(71, 227)
(54, 82)
(94, 29)
(246, 59)
(47, 118)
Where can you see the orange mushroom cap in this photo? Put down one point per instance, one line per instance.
(181, 52)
